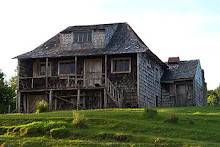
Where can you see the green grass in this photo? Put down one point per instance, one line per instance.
(197, 126)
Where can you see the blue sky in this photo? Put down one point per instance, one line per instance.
(185, 28)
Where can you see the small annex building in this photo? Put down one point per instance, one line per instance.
(104, 66)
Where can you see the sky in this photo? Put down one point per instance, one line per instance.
(188, 29)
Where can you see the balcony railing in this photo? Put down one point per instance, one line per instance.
(62, 82)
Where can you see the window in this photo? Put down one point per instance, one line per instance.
(67, 67)
(82, 37)
(121, 65)
(43, 69)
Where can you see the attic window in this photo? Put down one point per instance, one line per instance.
(121, 65)
(82, 37)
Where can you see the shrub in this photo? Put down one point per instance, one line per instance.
(149, 113)
(42, 106)
(173, 118)
(59, 132)
(79, 120)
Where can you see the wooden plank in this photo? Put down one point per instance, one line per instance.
(55, 104)
(24, 103)
(138, 82)
(78, 99)
(50, 100)
(19, 101)
(100, 100)
(28, 108)
(76, 72)
(84, 100)
(46, 83)
(105, 93)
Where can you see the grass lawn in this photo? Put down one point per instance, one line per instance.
(193, 126)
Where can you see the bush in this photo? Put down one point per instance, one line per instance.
(173, 118)
(42, 106)
(79, 120)
(149, 113)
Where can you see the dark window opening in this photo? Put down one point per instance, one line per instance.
(43, 69)
(67, 68)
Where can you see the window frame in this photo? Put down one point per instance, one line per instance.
(66, 61)
(82, 37)
(118, 59)
(49, 74)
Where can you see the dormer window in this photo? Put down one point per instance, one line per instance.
(82, 37)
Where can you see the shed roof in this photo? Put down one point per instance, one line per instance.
(181, 70)
(124, 40)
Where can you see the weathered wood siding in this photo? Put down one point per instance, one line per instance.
(150, 87)
(198, 85)
(125, 81)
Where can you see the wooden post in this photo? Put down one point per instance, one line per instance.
(50, 100)
(19, 101)
(24, 103)
(9, 108)
(55, 103)
(28, 104)
(78, 98)
(105, 93)
(32, 83)
(100, 94)
(175, 100)
(76, 71)
(138, 87)
(84, 100)
(46, 84)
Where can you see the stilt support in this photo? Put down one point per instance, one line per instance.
(50, 100)
(78, 99)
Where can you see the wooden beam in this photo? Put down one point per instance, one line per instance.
(76, 71)
(50, 100)
(28, 108)
(105, 93)
(100, 95)
(19, 101)
(46, 84)
(78, 99)
(84, 100)
(55, 103)
(138, 82)
(24, 103)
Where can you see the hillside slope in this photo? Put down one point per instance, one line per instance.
(114, 127)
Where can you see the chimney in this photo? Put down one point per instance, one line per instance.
(173, 60)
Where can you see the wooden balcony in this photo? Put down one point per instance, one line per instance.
(93, 80)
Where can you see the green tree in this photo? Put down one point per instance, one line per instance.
(7, 95)
(214, 97)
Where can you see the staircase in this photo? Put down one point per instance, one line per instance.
(115, 94)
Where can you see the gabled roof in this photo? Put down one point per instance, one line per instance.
(123, 40)
(181, 70)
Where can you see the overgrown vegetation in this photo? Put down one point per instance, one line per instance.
(79, 120)
(197, 126)
(42, 106)
(173, 118)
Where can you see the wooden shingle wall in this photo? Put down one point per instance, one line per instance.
(198, 86)
(150, 87)
(125, 81)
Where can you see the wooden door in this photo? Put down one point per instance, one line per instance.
(181, 95)
(93, 72)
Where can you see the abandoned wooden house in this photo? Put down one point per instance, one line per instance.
(97, 66)
(183, 84)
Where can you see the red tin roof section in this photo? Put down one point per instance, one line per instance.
(174, 60)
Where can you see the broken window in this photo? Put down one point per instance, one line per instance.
(67, 67)
(82, 37)
(121, 65)
(43, 69)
